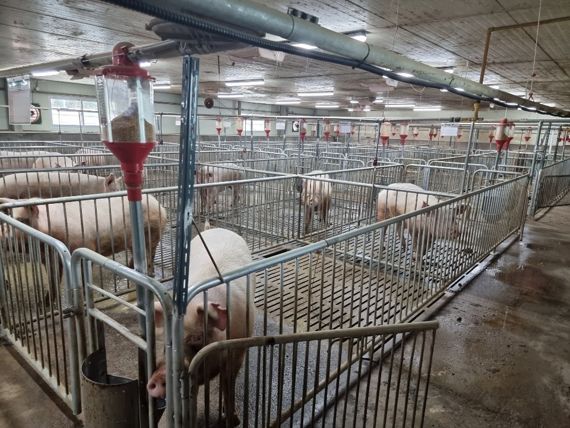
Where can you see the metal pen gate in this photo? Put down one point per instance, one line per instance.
(552, 186)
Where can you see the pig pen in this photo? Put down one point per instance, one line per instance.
(356, 278)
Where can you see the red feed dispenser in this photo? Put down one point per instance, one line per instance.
(126, 111)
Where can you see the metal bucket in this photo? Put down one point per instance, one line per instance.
(108, 401)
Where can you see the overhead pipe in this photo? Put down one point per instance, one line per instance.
(79, 66)
(490, 31)
(247, 14)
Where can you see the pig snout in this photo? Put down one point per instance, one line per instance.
(156, 385)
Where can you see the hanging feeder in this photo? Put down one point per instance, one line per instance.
(337, 130)
(385, 130)
(394, 129)
(415, 132)
(510, 131)
(313, 128)
(352, 129)
(501, 136)
(239, 125)
(491, 135)
(432, 133)
(219, 125)
(267, 128)
(303, 129)
(528, 135)
(327, 130)
(404, 129)
(126, 112)
(459, 134)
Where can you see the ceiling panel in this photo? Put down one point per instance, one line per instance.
(440, 33)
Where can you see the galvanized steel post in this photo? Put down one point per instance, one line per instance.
(469, 147)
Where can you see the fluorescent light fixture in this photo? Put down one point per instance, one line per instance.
(550, 104)
(498, 100)
(145, 64)
(495, 86)
(254, 82)
(231, 95)
(326, 106)
(315, 94)
(404, 74)
(350, 109)
(367, 108)
(359, 35)
(162, 86)
(353, 102)
(400, 105)
(449, 70)
(434, 108)
(459, 89)
(531, 108)
(512, 104)
(288, 102)
(443, 90)
(45, 73)
(378, 101)
(304, 46)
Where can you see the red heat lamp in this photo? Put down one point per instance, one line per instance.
(126, 112)
(527, 135)
(219, 125)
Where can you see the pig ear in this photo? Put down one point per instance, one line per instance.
(158, 314)
(110, 179)
(217, 315)
(425, 204)
(34, 210)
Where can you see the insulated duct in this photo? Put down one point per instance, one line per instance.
(248, 14)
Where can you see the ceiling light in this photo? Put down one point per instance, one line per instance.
(367, 108)
(498, 100)
(400, 105)
(162, 86)
(45, 73)
(230, 95)
(404, 74)
(512, 104)
(550, 104)
(304, 46)
(495, 86)
(531, 108)
(256, 82)
(145, 64)
(350, 109)
(359, 35)
(449, 70)
(459, 89)
(326, 106)
(315, 94)
(378, 101)
(353, 102)
(443, 90)
(287, 102)
(434, 108)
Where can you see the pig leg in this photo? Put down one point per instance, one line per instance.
(308, 217)
(55, 272)
(236, 197)
(228, 378)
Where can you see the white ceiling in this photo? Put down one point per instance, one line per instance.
(440, 33)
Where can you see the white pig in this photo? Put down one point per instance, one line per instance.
(21, 160)
(102, 225)
(316, 196)
(94, 157)
(403, 198)
(54, 184)
(54, 161)
(230, 252)
(216, 174)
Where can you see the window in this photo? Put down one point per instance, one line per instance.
(258, 125)
(74, 112)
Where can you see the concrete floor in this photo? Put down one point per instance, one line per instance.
(502, 354)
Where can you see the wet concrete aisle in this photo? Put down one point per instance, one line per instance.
(502, 355)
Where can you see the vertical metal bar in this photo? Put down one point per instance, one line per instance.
(188, 137)
(469, 148)
(557, 140)
(536, 144)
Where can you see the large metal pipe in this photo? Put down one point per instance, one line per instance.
(75, 66)
(248, 14)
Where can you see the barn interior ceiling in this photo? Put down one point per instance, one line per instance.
(445, 34)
